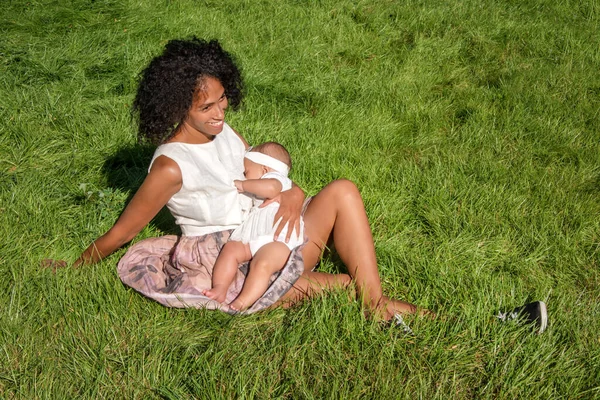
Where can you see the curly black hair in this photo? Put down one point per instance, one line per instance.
(168, 85)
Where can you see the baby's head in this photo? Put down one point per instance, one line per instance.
(266, 157)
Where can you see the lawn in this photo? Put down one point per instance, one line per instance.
(472, 129)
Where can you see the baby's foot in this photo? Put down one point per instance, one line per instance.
(216, 293)
(237, 305)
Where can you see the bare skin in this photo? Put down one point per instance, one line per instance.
(268, 259)
(337, 212)
(162, 182)
(205, 121)
(236, 253)
(232, 255)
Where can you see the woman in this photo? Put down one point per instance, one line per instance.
(181, 102)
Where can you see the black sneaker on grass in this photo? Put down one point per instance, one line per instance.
(531, 313)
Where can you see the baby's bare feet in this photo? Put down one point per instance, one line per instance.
(237, 305)
(216, 293)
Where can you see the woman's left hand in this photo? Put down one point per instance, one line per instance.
(290, 209)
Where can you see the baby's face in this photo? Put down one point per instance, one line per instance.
(252, 170)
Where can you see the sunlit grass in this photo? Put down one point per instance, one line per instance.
(471, 129)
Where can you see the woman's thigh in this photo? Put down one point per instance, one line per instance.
(320, 217)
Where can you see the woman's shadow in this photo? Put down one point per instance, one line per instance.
(126, 170)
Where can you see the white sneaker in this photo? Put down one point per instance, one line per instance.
(531, 313)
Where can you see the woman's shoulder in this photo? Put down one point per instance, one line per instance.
(166, 166)
(164, 175)
(233, 134)
(229, 141)
(166, 157)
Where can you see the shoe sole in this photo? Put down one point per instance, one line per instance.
(543, 317)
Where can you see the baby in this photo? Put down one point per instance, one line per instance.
(266, 167)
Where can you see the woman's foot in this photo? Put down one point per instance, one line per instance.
(217, 293)
(388, 309)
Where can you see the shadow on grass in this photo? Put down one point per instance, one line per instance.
(126, 169)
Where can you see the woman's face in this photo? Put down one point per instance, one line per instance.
(207, 114)
(253, 170)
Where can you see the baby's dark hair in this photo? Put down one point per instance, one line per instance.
(169, 83)
(276, 151)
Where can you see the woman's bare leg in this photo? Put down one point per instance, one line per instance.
(312, 283)
(338, 212)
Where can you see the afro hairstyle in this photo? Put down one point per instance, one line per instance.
(169, 83)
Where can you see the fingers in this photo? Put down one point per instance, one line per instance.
(265, 203)
(289, 233)
(54, 264)
(297, 228)
(50, 263)
(239, 186)
(279, 224)
(292, 222)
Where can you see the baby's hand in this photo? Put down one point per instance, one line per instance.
(239, 185)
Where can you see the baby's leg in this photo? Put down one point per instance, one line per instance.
(268, 259)
(232, 254)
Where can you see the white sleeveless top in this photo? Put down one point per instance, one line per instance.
(208, 200)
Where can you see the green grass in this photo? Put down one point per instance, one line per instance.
(471, 128)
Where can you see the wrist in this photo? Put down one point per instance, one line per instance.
(297, 193)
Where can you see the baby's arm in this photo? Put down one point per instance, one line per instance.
(263, 188)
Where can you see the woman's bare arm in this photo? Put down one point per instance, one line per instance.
(162, 182)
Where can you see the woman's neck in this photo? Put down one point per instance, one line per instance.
(185, 134)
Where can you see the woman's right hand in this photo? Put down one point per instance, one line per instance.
(54, 264)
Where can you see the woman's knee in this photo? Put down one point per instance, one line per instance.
(345, 190)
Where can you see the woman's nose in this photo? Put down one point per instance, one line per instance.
(219, 112)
